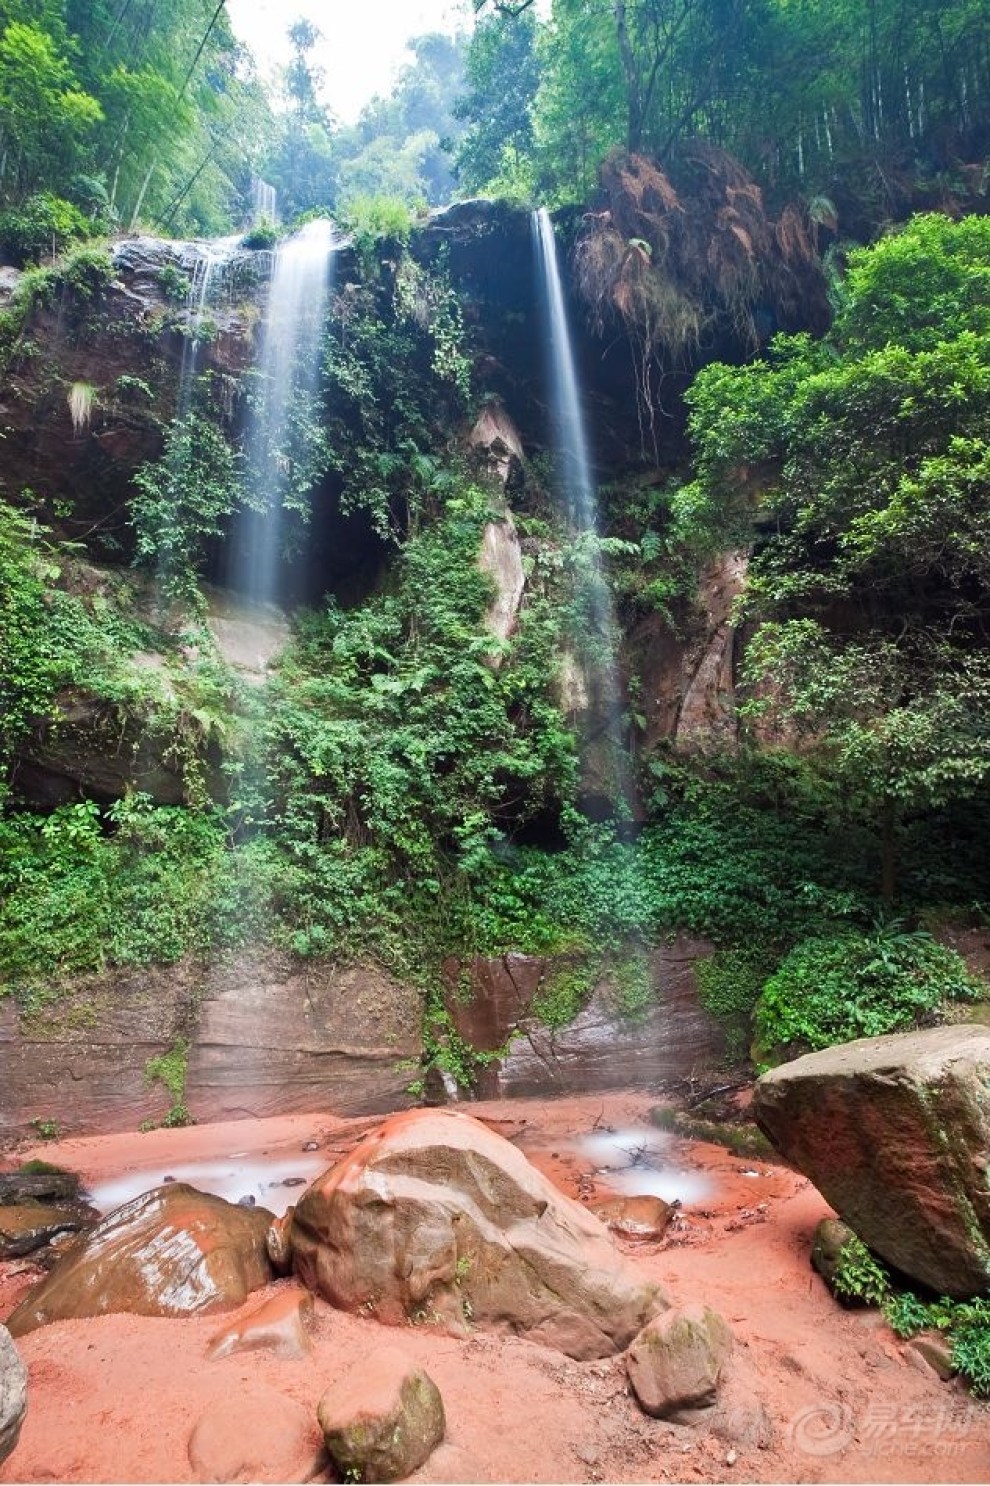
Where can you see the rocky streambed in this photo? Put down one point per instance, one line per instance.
(806, 1391)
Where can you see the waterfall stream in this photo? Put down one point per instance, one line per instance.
(288, 376)
(601, 697)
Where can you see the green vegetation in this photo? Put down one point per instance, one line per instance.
(170, 1070)
(861, 1277)
(834, 989)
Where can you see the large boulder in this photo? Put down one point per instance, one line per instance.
(434, 1217)
(13, 1394)
(255, 1433)
(895, 1134)
(170, 1252)
(382, 1420)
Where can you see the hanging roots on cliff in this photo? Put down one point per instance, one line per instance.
(682, 254)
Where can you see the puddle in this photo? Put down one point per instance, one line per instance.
(245, 1174)
(636, 1164)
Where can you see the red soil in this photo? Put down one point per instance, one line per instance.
(116, 1399)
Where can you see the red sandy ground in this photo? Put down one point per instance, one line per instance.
(115, 1399)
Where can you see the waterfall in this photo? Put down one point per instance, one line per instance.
(288, 376)
(208, 267)
(263, 201)
(600, 699)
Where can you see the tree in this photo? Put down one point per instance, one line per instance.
(859, 468)
(46, 118)
(503, 75)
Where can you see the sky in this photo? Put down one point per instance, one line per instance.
(364, 40)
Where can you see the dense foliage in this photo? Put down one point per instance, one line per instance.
(856, 99)
(858, 467)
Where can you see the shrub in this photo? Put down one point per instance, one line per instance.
(850, 985)
(42, 225)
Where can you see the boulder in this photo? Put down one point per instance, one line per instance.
(13, 1394)
(170, 1252)
(33, 1225)
(895, 1133)
(382, 1420)
(676, 1361)
(279, 1325)
(255, 1433)
(435, 1217)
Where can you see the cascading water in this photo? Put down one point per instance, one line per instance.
(602, 707)
(263, 206)
(288, 380)
(208, 267)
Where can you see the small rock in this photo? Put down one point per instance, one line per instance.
(249, 1200)
(831, 1237)
(13, 1393)
(255, 1433)
(676, 1361)
(383, 1420)
(643, 1217)
(279, 1325)
(935, 1352)
(311, 1145)
(731, 1458)
(167, 1179)
(294, 1181)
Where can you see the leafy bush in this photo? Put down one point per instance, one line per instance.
(851, 985)
(43, 225)
(264, 234)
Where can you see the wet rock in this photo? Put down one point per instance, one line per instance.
(38, 1186)
(676, 1361)
(32, 1226)
(436, 1217)
(170, 1252)
(635, 1217)
(13, 1394)
(279, 1325)
(895, 1133)
(486, 997)
(831, 1237)
(383, 1420)
(278, 1242)
(500, 560)
(255, 1434)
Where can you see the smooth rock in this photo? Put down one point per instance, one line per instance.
(895, 1134)
(13, 1394)
(383, 1419)
(255, 1433)
(170, 1252)
(435, 1217)
(279, 1325)
(33, 1225)
(676, 1361)
(643, 1217)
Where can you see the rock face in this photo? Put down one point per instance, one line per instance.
(13, 1394)
(170, 1252)
(434, 1217)
(265, 1037)
(895, 1134)
(676, 1361)
(383, 1420)
(489, 1000)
